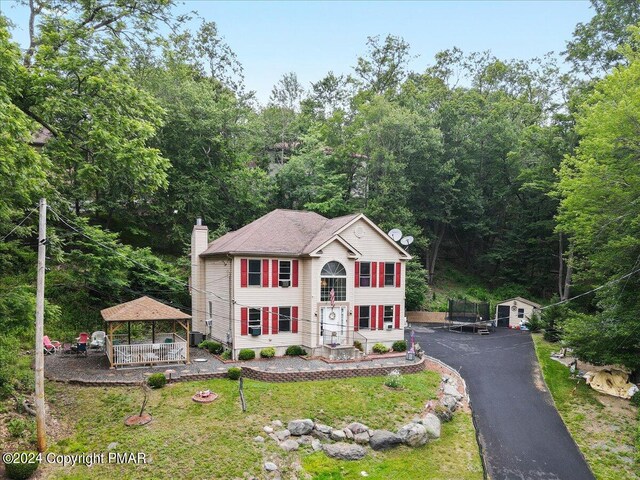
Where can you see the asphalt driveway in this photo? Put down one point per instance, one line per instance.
(521, 433)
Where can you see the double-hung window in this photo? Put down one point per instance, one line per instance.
(255, 273)
(388, 316)
(521, 313)
(389, 274)
(254, 317)
(284, 319)
(364, 317)
(365, 274)
(284, 273)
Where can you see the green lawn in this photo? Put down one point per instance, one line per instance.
(602, 426)
(188, 440)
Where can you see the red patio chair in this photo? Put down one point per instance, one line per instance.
(83, 338)
(49, 346)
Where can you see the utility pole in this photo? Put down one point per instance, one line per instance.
(40, 405)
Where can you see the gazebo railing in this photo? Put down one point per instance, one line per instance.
(125, 354)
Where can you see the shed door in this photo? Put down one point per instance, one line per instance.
(503, 315)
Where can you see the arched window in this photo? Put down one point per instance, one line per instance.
(333, 276)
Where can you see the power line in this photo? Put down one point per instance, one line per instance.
(19, 224)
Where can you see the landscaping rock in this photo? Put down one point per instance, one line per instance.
(305, 440)
(112, 445)
(449, 402)
(432, 425)
(452, 390)
(268, 430)
(277, 424)
(337, 435)
(357, 427)
(289, 445)
(273, 437)
(447, 378)
(316, 445)
(323, 428)
(270, 466)
(282, 434)
(258, 439)
(300, 427)
(344, 451)
(361, 438)
(444, 414)
(413, 434)
(348, 433)
(320, 435)
(383, 440)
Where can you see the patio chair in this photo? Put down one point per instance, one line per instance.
(176, 354)
(83, 338)
(97, 339)
(49, 346)
(81, 349)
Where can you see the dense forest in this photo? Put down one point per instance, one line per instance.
(521, 172)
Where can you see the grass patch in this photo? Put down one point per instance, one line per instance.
(186, 439)
(602, 426)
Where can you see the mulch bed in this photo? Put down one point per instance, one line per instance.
(134, 420)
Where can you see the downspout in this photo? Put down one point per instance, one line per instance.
(230, 332)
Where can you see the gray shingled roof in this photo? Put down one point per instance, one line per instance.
(283, 232)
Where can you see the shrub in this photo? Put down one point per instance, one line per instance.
(157, 380)
(400, 346)
(215, 348)
(268, 352)
(295, 350)
(20, 471)
(234, 373)
(380, 348)
(246, 354)
(534, 323)
(394, 379)
(18, 426)
(358, 345)
(226, 355)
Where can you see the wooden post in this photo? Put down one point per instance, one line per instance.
(40, 404)
(111, 358)
(129, 332)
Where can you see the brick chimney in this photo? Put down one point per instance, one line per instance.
(199, 243)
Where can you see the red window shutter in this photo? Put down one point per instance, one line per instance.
(356, 318)
(243, 272)
(396, 316)
(244, 321)
(265, 273)
(373, 270)
(265, 320)
(274, 320)
(294, 268)
(275, 273)
(372, 319)
(294, 319)
(381, 275)
(380, 317)
(356, 277)
(398, 273)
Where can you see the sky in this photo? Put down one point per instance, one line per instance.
(313, 38)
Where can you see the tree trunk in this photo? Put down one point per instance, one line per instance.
(564, 273)
(433, 251)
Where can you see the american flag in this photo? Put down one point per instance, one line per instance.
(332, 297)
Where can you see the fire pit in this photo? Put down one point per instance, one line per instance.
(206, 396)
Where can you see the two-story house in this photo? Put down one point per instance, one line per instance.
(298, 278)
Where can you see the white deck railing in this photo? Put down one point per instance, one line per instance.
(147, 353)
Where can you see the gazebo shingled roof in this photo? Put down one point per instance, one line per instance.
(142, 309)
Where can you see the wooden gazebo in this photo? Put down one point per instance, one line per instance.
(160, 348)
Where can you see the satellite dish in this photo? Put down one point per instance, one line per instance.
(395, 233)
(406, 241)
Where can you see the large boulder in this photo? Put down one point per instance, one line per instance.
(361, 438)
(357, 427)
(289, 445)
(413, 434)
(449, 402)
(338, 435)
(384, 440)
(432, 425)
(452, 390)
(344, 451)
(300, 427)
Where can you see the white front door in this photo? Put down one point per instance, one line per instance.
(333, 325)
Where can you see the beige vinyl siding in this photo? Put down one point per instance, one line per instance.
(259, 297)
(199, 239)
(514, 321)
(217, 280)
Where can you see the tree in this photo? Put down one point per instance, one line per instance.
(384, 67)
(599, 211)
(594, 49)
